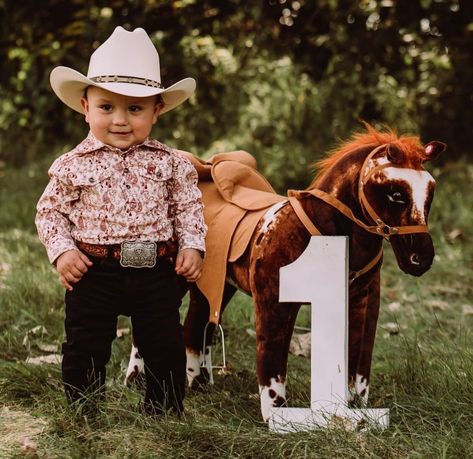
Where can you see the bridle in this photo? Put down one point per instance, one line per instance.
(379, 228)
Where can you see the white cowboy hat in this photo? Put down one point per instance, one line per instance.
(126, 63)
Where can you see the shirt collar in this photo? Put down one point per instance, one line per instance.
(91, 143)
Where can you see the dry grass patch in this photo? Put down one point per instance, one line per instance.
(18, 430)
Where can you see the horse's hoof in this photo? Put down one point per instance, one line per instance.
(136, 379)
(201, 382)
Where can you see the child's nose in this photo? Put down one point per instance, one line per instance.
(119, 117)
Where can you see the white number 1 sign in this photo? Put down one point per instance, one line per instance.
(320, 277)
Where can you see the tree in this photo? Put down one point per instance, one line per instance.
(283, 79)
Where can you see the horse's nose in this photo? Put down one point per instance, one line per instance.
(414, 252)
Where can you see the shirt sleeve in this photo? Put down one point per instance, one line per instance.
(52, 210)
(186, 206)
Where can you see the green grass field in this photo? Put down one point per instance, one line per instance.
(422, 366)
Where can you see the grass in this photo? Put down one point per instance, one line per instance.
(423, 373)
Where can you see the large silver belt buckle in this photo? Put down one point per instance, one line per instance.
(136, 254)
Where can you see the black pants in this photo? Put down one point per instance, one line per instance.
(151, 297)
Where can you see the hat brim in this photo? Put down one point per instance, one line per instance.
(69, 86)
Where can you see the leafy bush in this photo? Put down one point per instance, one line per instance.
(283, 80)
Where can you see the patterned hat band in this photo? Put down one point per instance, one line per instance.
(126, 79)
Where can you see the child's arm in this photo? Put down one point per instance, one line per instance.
(54, 232)
(188, 219)
(54, 227)
(52, 217)
(189, 264)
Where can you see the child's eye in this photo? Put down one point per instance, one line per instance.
(134, 108)
(106, 107)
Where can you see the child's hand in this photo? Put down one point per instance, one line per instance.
(189, 264)
(71, 266)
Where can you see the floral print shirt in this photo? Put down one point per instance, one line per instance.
(103, 195)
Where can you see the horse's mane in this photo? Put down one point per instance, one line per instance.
(410, 145)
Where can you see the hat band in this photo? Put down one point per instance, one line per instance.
(126, 79)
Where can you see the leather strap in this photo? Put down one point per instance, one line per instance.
(164, 249)
(356, 274)
(334, 202)
(311, 228)
(126, 79)
(100, 251)
(301, 213)
(381, 228)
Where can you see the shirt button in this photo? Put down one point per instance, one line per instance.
(126, 170)
(91, 180)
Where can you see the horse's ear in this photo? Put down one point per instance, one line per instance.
(394, 154)
(433, 149)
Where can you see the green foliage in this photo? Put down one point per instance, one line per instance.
(281, 79)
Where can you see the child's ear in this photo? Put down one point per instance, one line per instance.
(85, 106)
(157, 111)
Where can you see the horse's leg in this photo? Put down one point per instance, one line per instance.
(136, 365)
(194, 324)
(363, 317)
(278, 240)
(274, 327)
(196, 320)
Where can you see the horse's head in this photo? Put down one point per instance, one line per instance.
(396, 192)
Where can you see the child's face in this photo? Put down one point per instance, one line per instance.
(117, 120)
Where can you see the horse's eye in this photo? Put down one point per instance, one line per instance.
(397, 197)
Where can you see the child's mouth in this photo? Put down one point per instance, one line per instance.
(121, 134)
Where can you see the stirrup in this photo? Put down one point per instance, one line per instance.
(207, 356)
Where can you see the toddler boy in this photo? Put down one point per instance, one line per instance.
(121, 219)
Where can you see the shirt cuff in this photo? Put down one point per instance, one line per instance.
(57, 248)
(192, 244)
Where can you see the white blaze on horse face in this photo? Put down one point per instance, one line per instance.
(269, 395)
(419, 182)
(192, 366)
(136, 365)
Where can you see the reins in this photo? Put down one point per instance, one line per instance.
(380, 228)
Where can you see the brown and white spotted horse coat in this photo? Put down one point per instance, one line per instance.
(385, 195)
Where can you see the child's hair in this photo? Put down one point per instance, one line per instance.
(159, 99)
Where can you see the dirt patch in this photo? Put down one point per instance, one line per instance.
(18, 430)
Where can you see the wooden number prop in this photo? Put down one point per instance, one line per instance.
(320, 277)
